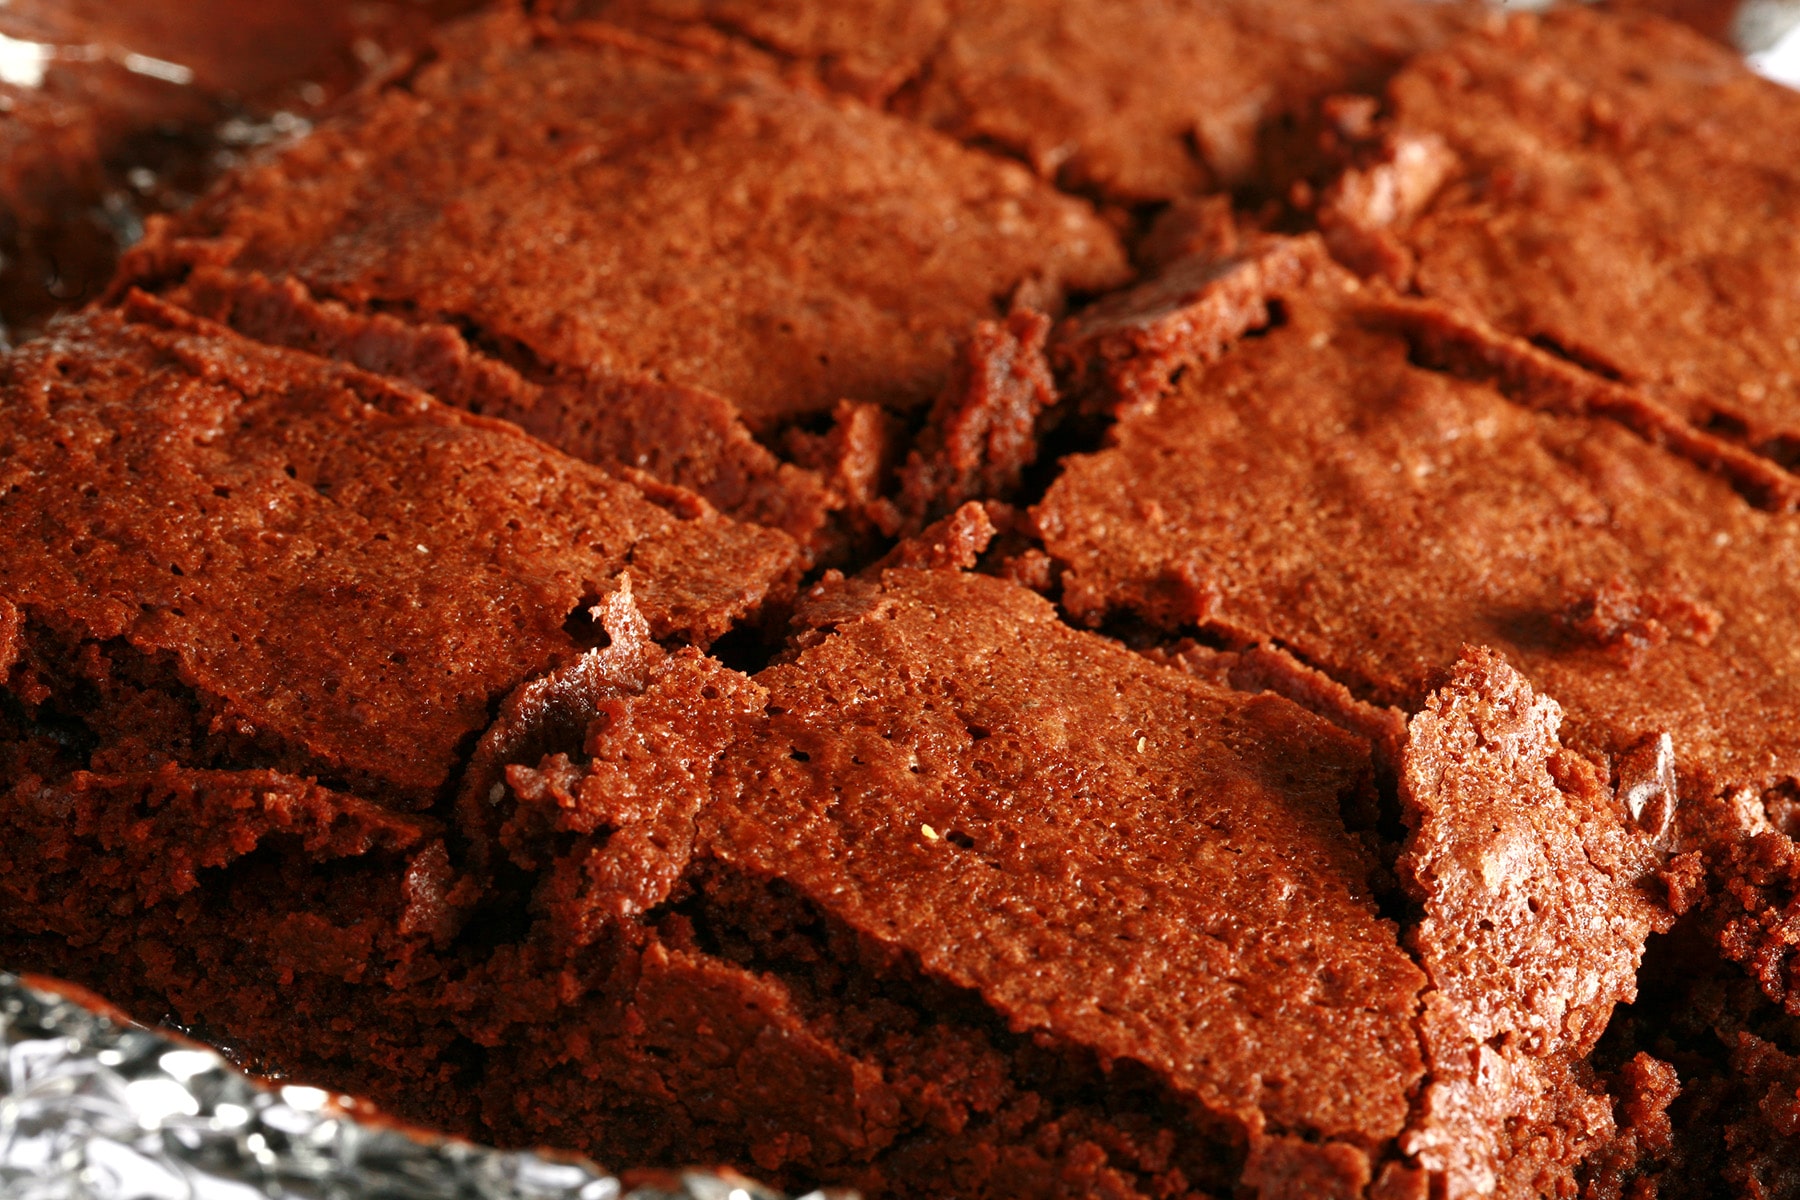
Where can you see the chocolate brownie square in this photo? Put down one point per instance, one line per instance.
(647, 255)
(1619, 191)
(1138, 101)
(1320, 488)
(225, 555)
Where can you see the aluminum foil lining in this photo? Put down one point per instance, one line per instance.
(94, 1108)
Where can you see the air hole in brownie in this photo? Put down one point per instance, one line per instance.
(1725, 425)
(66, 733)
(1782, 450)
(583, 627)
(958, 838)
(744, 649)
(1689, 1008)
(1782, 804)
(1278, 317)
(799, 756)
(504, 916)
(1064, 431)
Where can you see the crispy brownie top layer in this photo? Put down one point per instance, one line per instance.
(338, 574)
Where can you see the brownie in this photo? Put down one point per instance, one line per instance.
(115, 110)
(959, 900)
(982, 433)
(1532, 930)
(1325, 727)
(1320, 489)
(1616, 190)
(1359, 484)
(93, 845)
(227, 555)
(1145, 100)
(600, 216)
(267, 914)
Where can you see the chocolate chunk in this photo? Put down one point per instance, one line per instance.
(1647, 787)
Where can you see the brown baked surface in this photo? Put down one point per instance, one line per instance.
(142, 102)
(1003, 599)
(1135, 100)
(899, 910)
(954, 795)
(256, 557)
(1319, 490)
(1619, 191)
(1030, 838)
(594, 210)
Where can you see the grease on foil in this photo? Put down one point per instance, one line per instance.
(95, 1109)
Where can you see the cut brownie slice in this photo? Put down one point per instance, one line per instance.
(269, 915)
(1064, 920)
(1319, 490)
(961, 900)
(81, 853)
(110, 110)
(233, 556)
(1618, 190)
(602, 216)
(1139, 101)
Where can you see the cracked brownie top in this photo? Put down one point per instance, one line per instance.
(221, 552)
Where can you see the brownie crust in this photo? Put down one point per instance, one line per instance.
(219, 551)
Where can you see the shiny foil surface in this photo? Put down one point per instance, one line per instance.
(93, 1108)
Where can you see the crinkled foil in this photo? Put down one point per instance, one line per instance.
(92, 1108)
